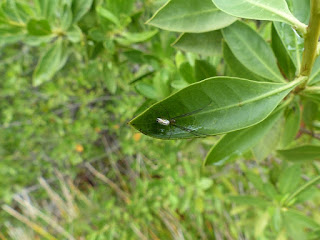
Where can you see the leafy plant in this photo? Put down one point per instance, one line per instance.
(263, 82)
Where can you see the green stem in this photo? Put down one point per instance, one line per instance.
(302, 188)
(311, 41)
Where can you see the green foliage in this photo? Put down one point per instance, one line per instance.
(74, 72)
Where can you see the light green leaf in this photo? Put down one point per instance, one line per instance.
(10, 35)
(66, 18)
(236, 143)
(273, 10)
(289, 179)
(190, 16)
(252, 51)
(213, 106)
(280, 50)
(269, 142)
(130, 38)
(80, 8)
(146, 90)
(292, 124)
(74, 34)
(300, 9)
(49, 64)
(207, 44)
(301, 153)
(106, 14)
(46, 8)
(38, 27)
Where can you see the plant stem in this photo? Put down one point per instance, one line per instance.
(311, 41)
(302, 188)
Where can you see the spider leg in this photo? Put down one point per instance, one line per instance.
(193, 132)
(192, 112)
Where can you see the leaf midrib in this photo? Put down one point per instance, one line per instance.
(255, 99)
(257, 56)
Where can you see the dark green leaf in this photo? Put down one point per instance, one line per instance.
(203, 70)
(38, 27)
(186, 71)
(213, 106)
(234, 144)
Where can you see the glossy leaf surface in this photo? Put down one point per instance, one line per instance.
(234, 144)
(252, 51)
(273, 10)
(206, 44)
(190, 16)
(301, 153)
(213, 106)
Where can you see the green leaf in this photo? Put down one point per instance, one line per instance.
(249, 200)
(292, 124)
(130, 38)
(206, 44)
(300, 9)
(315, 73)
(46, 8)
(38, 27)
(213, 106)
(80, 8)
(302, 220)
(106, 14)
(74, 34)
(10, 35)
(273, 10)
(301, 153)
(187, 73)
(49, 64)
(269, 142)
(310, 113)
(66, 19)
(190, 16)
(284, 60)
(255, 180)
(109, 78)
(146, 90)
(293, 43)
(236, 68)
(203, 70)
(289, 179)
(236, 143)
(252, 51)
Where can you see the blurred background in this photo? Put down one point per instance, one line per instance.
(73, 73)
